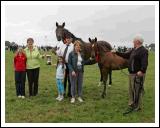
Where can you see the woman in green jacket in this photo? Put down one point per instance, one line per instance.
(33, 66)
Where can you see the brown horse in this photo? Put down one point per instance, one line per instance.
(108, 60)
(86, 47)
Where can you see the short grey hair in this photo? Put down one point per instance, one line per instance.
(139, 38)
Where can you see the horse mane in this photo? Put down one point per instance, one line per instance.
(65, 31)
(104, 46)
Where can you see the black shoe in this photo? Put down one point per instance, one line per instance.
(129, 110)
(137, 109)
(69, 95)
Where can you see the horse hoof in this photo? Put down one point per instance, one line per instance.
(103, 95)
(109, 85)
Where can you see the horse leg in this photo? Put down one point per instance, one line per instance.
(101, 79)
(110, 77)
(105, 77)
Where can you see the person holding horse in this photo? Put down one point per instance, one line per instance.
(138, 62)
(65, 50)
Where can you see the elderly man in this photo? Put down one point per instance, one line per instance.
(138, 62)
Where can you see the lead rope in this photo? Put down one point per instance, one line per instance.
(122, 70)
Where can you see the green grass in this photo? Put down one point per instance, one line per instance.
(45, 109)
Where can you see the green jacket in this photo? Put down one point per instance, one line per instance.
(33, 58)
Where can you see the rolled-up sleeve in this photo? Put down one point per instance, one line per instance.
(125, 55)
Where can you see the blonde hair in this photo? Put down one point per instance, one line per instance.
(77, 42)
(20, 49)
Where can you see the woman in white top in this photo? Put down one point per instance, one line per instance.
(76, 68)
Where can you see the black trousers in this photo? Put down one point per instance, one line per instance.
(33, 76)
(65, 81)
(20, 79)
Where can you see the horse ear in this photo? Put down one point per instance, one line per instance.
(56, 24)
(95, 39)
(89, 39)
(63, 24)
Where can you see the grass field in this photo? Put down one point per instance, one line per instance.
(45, 109)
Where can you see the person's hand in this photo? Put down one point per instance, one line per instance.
(91, 58)
(140, 73)
(73, 73)
(113, 51)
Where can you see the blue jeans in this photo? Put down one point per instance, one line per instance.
(20, 78)
(60, 86)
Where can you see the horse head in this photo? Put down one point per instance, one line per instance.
(94, 47)
(59, 31)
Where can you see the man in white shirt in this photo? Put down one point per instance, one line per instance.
(65, 50)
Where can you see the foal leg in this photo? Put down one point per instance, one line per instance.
(110, 77)
(105, 77)
(101, 79)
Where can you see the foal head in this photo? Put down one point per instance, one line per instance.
(94, 47)
(59, 31)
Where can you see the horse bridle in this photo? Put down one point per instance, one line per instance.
(97, 52)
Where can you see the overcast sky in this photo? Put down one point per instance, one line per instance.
(117, 24)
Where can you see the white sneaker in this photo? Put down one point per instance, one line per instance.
(80, 99)
(58, 97)
(61, 98)
(72, 100)
(23, 97)
(19, 96)
(109, 85)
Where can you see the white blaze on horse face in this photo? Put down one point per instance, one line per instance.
(92, 45)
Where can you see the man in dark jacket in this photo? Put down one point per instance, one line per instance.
(138, 62)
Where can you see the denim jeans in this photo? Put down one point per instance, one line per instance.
(60, 86)
(20, 78)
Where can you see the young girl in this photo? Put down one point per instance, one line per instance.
(20, 72)
(60, 73)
